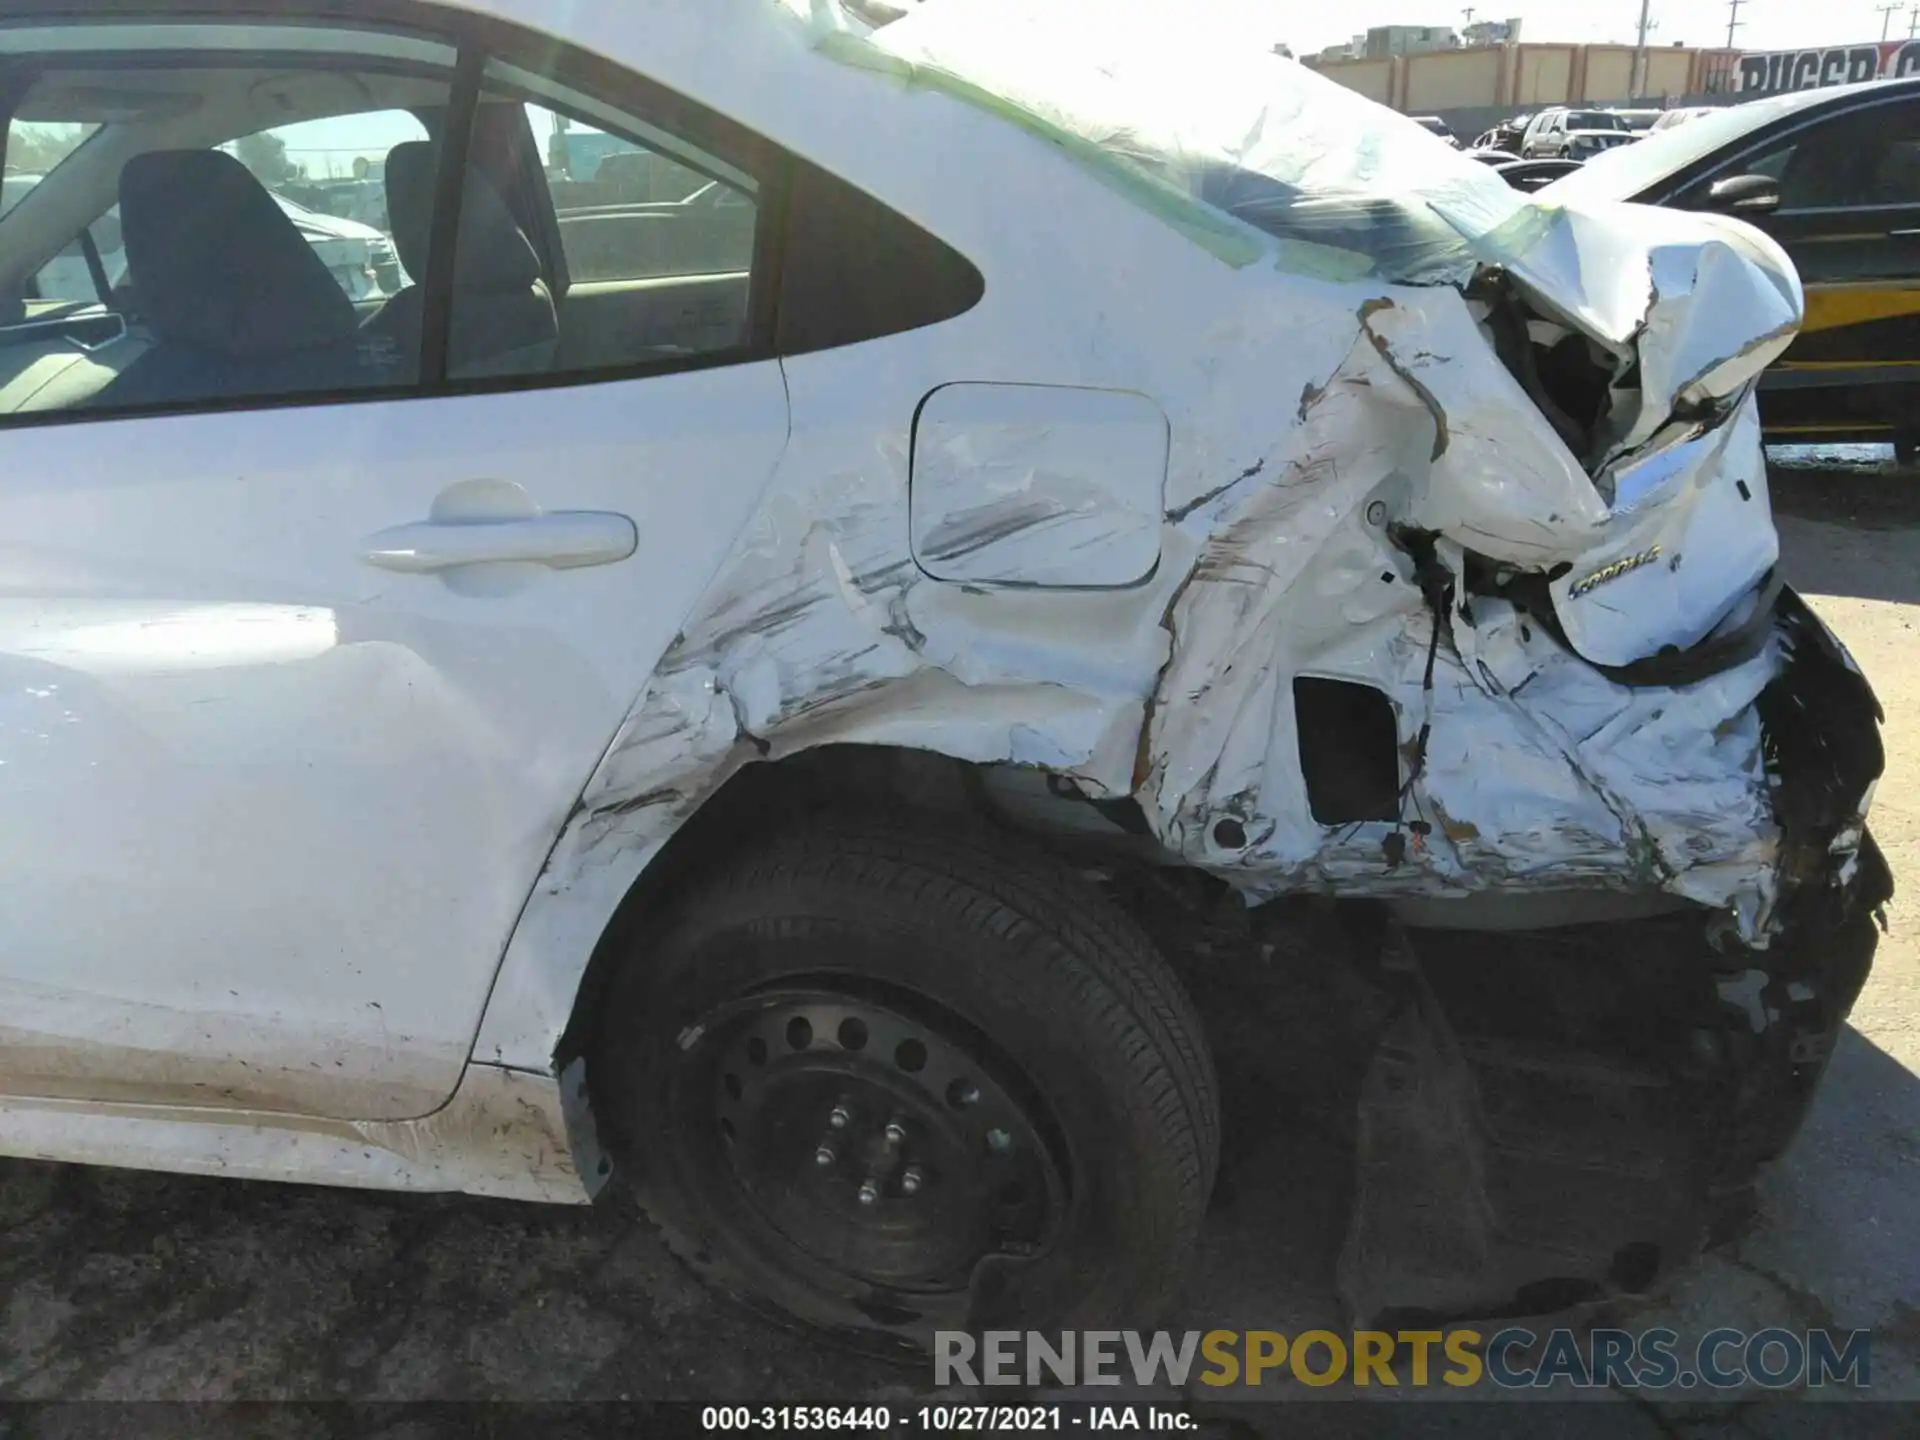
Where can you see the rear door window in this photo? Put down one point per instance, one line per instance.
(163, 240)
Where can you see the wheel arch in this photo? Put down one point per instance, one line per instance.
(616, 864)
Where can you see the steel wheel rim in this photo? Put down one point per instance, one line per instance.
(873, 1138)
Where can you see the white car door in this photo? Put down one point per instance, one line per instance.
(300, 677)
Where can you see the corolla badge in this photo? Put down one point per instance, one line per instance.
(1614, 571)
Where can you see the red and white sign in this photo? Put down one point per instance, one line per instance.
(1776, 70)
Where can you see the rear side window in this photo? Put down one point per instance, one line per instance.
(634, 201)
(628, 212)
(856, 271)
(657, 237)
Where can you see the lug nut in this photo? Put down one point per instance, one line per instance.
(839, 1118)
(896, 1132)
(999, 1141)
(824, 1155)
(910, 1179)
(869, 1191)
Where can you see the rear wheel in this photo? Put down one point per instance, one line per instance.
(891, 1083)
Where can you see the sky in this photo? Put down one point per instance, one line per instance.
(1764, 24)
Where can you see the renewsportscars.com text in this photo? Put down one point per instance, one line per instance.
(1512, 1358)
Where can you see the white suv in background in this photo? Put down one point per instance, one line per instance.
(1574, 134)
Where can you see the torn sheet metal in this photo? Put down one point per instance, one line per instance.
(1357, 487)
(1693, 306)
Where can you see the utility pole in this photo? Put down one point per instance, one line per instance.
(1886, 19)
(1734, 22)
(1913, 22)
(1639, 81)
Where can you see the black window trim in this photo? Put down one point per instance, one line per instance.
(476, 40)
(449, 187)
(1723, 163)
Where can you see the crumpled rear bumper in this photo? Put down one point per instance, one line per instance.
(1579, 1110)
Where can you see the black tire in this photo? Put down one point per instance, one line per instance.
(1018, 972)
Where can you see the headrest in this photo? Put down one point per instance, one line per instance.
(217, 264)
(493, 253)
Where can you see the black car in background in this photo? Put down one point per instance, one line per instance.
(1834, 176)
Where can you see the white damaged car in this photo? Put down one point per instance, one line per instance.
(759, 728)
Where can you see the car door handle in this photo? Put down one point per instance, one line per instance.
(1902, 234)
(562, 540)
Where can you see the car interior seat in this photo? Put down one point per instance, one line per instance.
(232, 297)
(504, 321)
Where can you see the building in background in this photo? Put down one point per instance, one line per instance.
(1470, 83)
(1385, 41)
(1491, 32)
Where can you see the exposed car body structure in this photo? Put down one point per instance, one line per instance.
(1831, 176)
(1398, 541)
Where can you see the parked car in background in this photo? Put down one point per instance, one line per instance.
(1506, 136)
(1833, 175)
(1565, 134)
(359, 257)
(1434, 125)
(1639, 122)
